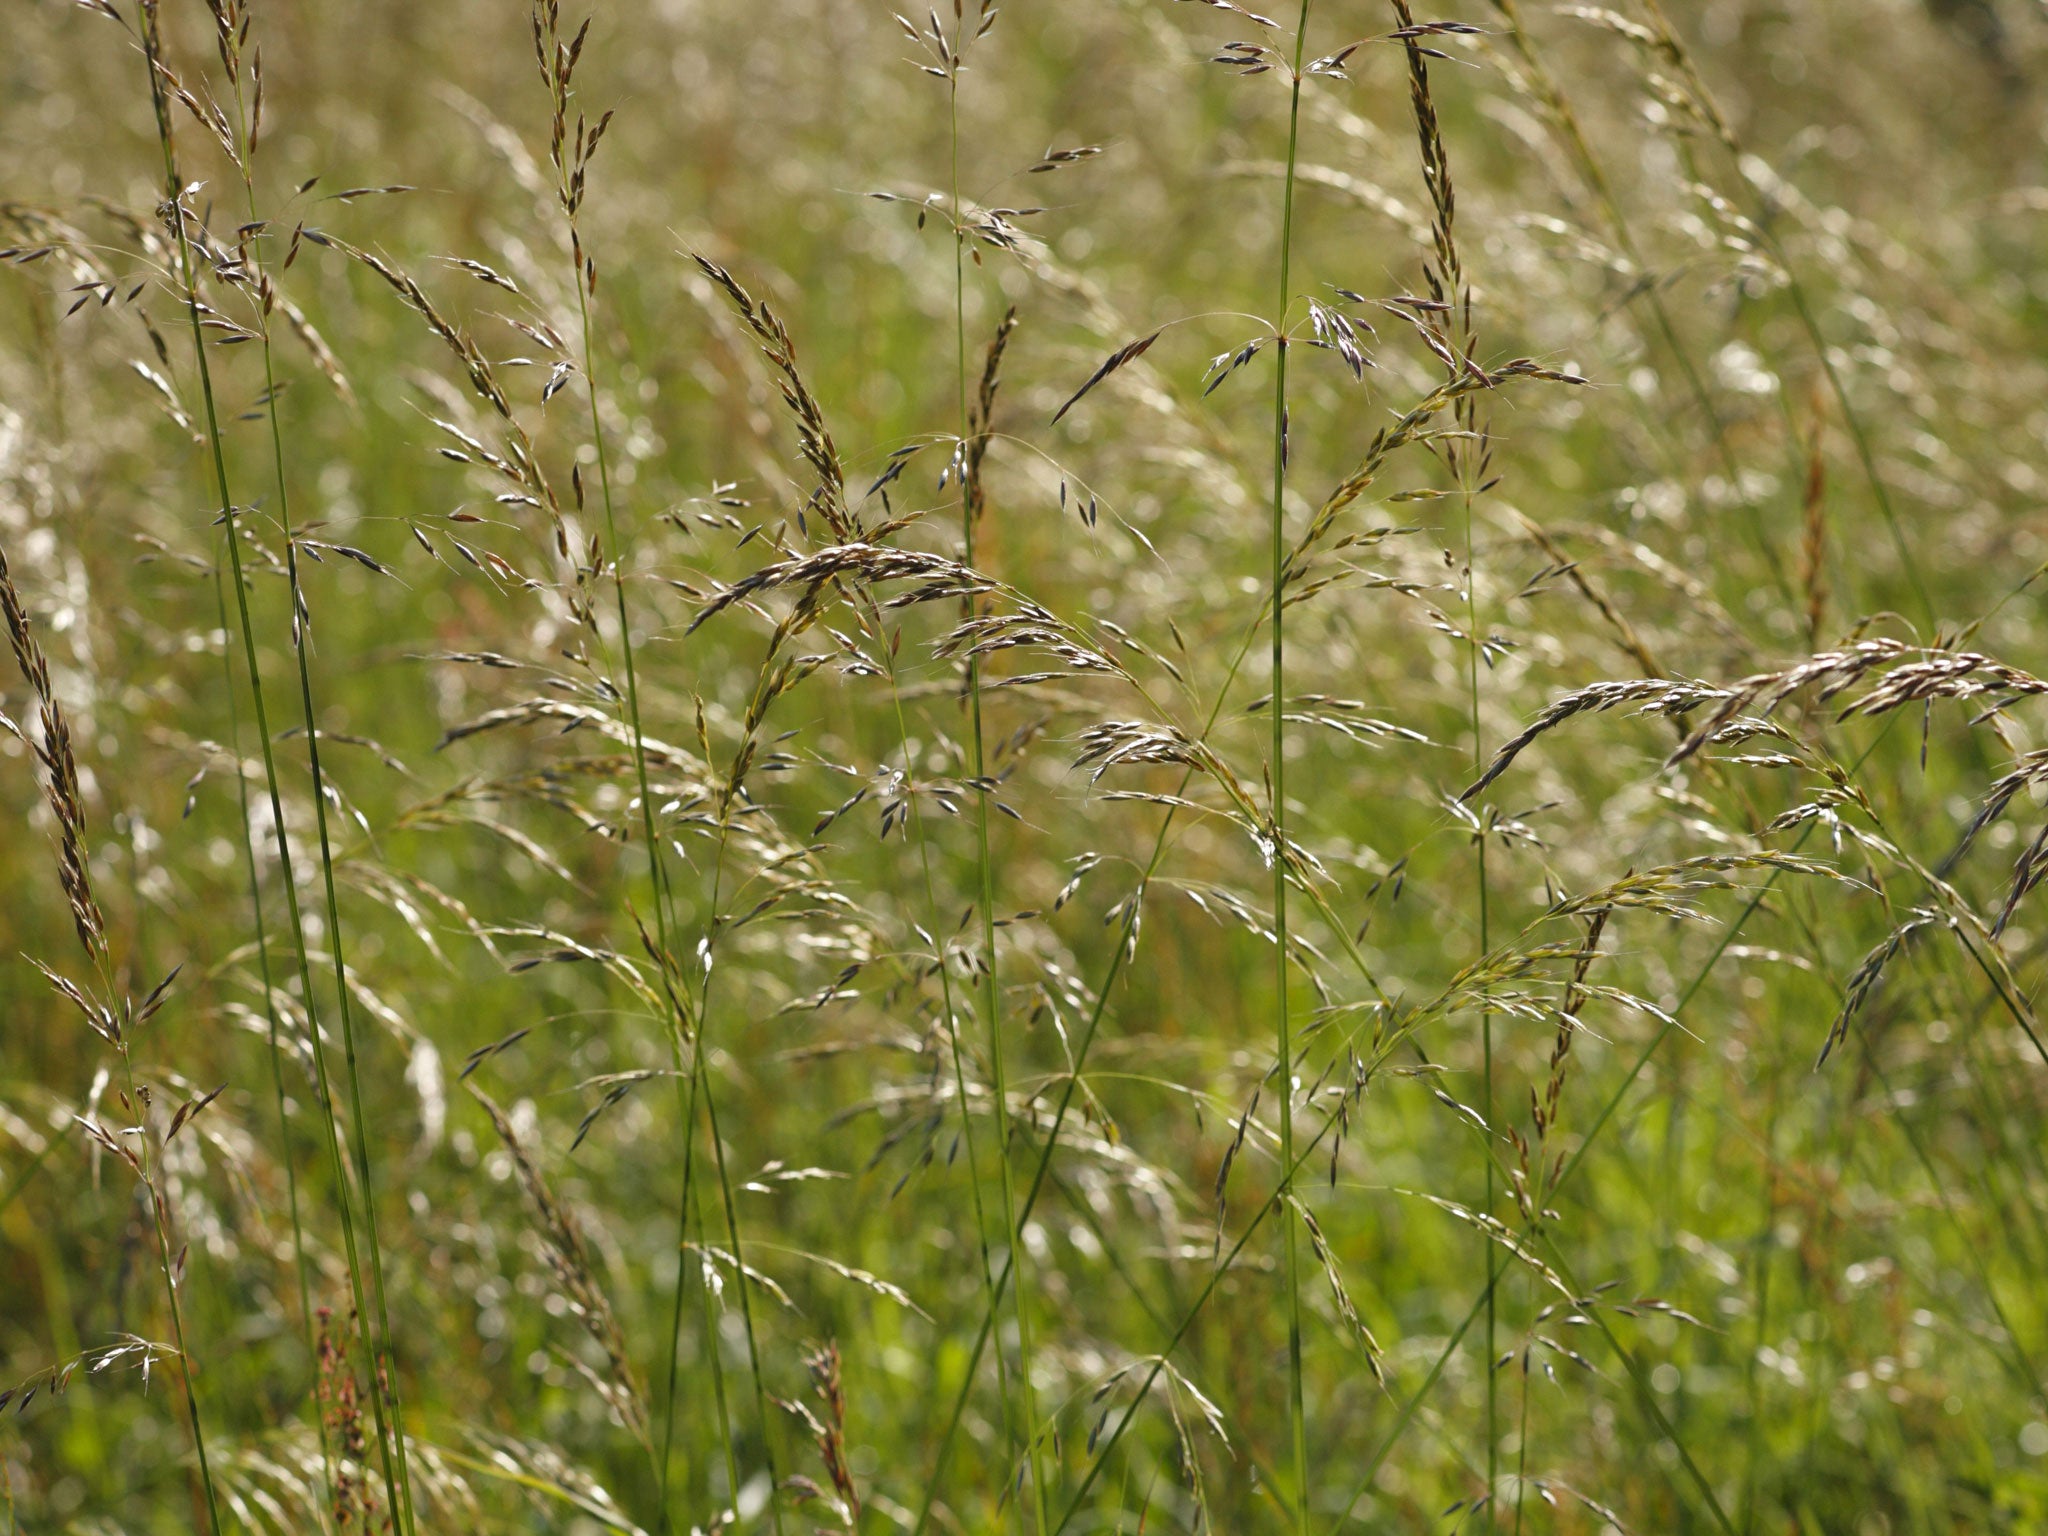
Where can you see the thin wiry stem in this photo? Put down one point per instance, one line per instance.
(709, 1315)
(245, 161)
(1761, 1270)
(395, 1478)
(1469, 455)
(1283, 1035)
(1289, 1168)
(1125, 950)
(557, 63)
(991, 990)
(657, 876)
(701, 1091)
(886, 651)
(732, 1229)
(1126, 941)
(1472, 648)
(384, 1384)
(1673, 1021)
(270, 1015)
(384, 1377)
(662, 896)
(1521, 1441)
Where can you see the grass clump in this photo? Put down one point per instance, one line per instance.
(1141, 767)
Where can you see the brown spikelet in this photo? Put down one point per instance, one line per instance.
(1653, 696)
(60, 772)
(1906, 675)
(1445, 276)
(867, 563)
(1545, 1110)
(1128, 353)
(975, 449)
(813, 436)
(828, 1432)
(352, 1499)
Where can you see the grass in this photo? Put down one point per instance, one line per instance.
(1093, 767)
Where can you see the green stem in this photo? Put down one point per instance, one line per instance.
(988, 1274)
(160, 1223)
(1123, 952)
(1753, 1371)
(679, 1031)
(284, 1134)
(1296, 1413)
(657, 877)
(1473, 648)
(152, 53)
(991, 990)
(1550, 1191)
(384, 1385)
(244, 156)
(691, 1208)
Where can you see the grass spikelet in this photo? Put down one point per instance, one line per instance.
(61, 792)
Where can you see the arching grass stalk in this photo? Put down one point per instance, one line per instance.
(571, 162)
(1283, 1034)
(1288, 1170)
(1126, 943)
(1569, 1168)
(689, 1207)
(390, 1432)
(1144, 1386)
(991, 989)
(700, 1090)
(1127, 935)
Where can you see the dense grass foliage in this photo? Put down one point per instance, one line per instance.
(1118, 766)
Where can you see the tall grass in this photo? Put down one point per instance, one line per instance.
(236, 141)
(986, 884)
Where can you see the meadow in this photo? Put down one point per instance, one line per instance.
(1091, 766)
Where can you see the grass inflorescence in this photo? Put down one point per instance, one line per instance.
(1064, 768)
